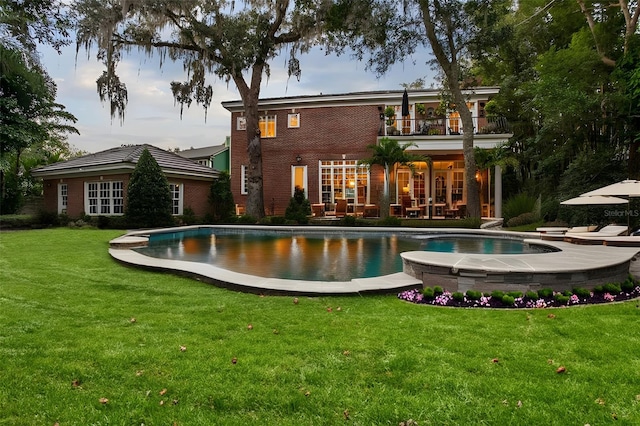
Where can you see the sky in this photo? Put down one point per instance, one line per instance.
(151, 116)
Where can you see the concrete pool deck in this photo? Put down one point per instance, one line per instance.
(573, 266)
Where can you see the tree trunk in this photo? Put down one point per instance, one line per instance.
(470, 167)
(250, 98)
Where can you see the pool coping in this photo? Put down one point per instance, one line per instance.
(572, 258)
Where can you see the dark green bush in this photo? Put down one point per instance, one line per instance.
(523, 219)
(437, 290)
(348, 221)
(390, 221)
(508, 300)
(428, 293)
(46, 218)
(277, 220)
(599, 289)
(567, 293)
(103, 222)
(497, 294)
(562, 299)
(515, 294)
(517, 205)
(299, 208)
(458, 296)
(221, 197)
(149, 201)
(581, 292)
(612, 288)
(474, 294)
(531, 294)
(628, 285)
(247, 220)
(545, 293)
(188, 217)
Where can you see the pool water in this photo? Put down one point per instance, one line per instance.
(312, 256)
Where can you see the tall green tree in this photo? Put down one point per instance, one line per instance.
(30, 119)
(236, 41)
(149, 203)
(388, 153)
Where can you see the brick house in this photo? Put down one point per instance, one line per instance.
(96, 184)
(316, 142)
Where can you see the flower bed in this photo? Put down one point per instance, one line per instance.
(544, 298)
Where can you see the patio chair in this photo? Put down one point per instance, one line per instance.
(607, 231)
(405, 202)
(341, 208)
(317, 210)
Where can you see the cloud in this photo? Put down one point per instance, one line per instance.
(152, 116)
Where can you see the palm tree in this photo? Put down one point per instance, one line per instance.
(387, 154)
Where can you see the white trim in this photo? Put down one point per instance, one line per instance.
(243, 180)
(63, 197)
(180, 198)
(305, 183)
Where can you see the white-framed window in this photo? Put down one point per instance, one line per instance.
(299, 178)
(104, 198)
(63, 197)
(344, 179)
(243, 180)
(293, 120)
(176, 198)
(241, 123)
(268, 126)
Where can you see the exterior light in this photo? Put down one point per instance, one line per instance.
(298, 158)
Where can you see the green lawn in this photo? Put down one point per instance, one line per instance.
(67, 340)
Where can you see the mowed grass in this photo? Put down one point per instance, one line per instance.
(67, 340)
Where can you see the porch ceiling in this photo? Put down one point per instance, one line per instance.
(451, 144)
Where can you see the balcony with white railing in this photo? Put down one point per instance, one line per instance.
(441, 126)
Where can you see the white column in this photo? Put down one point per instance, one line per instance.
(498, 191)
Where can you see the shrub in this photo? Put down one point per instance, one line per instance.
(562, 299)
(581, 292)
(246, 219)
(278, 220)
(299, 208)
(390, 221)
(149, 201)
(517, 205)
(221, 197)
(515, 294)
(458, 296)
(523, 219)
(428, 292)
(103, 222)
(599, 289)
(628, 285)
(437, 290)
(46, 218)
(612, 288)
(531, 294)
(567, 293)
(508, 300)
(188, 216)
(545, 293)
(497, 294)
(348, 221)
(474, 294)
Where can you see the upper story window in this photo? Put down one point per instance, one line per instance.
(293, 120)
(268, 126)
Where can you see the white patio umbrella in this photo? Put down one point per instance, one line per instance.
(593, 200)
(626, 188)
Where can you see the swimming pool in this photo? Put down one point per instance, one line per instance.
(560, 269)
(316, 256)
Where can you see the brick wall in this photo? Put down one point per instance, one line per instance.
(324, 134)
(195, 195)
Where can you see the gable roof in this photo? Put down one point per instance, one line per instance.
(205, 152)
(123, 160)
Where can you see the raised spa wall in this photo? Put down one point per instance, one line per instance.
(452, 279)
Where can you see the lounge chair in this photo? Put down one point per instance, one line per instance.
(596, 237)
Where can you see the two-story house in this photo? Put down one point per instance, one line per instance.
(316, 142)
